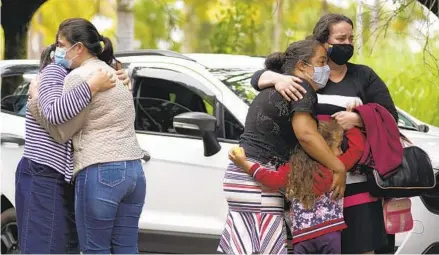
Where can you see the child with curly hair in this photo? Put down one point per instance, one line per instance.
(316, 218)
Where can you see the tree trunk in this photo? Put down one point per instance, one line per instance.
(35, 41)
(375, 19)
(125, 25)
(277, 25)
(188, 28)
(15, 18)
(324, 7)
(359, 26)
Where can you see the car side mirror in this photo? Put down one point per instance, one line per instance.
(199, 124)
(424, 128)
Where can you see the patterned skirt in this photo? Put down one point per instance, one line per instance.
(255, 221)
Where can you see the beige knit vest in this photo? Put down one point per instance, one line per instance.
(108, 133)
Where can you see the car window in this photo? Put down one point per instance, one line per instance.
(159, 100)
(232, 127)
(14, 93)
(238, 81)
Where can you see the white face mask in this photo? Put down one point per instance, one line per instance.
(321, 75)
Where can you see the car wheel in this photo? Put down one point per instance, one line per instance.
(9, 234)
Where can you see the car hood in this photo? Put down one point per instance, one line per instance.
(428, 142)
(433, 130)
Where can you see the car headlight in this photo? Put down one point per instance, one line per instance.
(431, 199)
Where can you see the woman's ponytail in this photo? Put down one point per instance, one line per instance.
(117, 65)
(275, 61)
(107, 55)
(285, 62)
(81, 30)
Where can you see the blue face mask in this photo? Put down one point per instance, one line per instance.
(60, 57)
(320, 75)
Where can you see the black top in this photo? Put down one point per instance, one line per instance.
(360, 81)
(268, 133)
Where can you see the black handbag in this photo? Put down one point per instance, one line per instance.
(414, 177)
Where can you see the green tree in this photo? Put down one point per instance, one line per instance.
(55, 11)
(154, 22)
(412, 77)
(236, 30)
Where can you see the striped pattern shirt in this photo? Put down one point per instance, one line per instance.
(57, 108)
(254, 223)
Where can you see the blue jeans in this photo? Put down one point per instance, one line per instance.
(108, 203)
(44, 203)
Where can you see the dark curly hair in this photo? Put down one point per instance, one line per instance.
(303, 167)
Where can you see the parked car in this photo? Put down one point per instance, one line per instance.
(408, 120)
(178, 99)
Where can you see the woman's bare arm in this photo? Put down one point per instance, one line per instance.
(305, 128)
(288, 86)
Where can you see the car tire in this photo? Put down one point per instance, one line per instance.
(9, 232)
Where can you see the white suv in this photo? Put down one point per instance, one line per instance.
(190, 109)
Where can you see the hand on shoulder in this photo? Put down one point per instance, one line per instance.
(290, 87)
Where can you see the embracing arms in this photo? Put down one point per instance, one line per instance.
(63, 131)
(52, 109)
(58, 107)
(278, 179)
(288, 86)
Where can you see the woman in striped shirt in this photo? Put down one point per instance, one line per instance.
(44, 195)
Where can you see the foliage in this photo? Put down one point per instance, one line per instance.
(412, 77)
(247, 27)
(236, 31)
(47, 19)
(413, 88)
(154, 22)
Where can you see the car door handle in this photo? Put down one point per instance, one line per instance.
(11, 138)
(146, 157)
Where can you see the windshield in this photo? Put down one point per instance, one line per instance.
(238, 81)
(405, 122)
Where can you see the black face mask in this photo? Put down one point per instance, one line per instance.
(340, 53)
